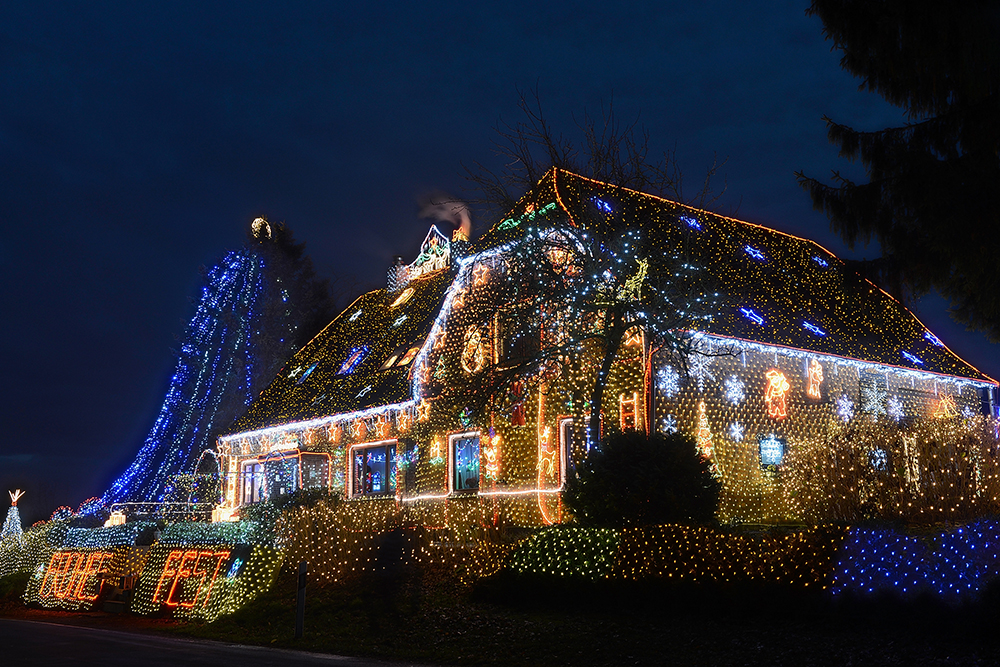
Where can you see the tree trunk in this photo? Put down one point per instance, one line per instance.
(597, 395)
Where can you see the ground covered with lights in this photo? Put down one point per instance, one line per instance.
(425, 617)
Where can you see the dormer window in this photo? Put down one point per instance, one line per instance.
(353, 359)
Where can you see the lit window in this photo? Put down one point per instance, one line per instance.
(353, 359)
(464, 462)
(307, 372)
(373, 469)
(772, 450)
(253, 482)
(408, 357)
(403, 297)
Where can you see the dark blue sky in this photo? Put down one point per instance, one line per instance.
(136, 142)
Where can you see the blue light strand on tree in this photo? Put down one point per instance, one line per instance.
(257, 306)
(214, 359)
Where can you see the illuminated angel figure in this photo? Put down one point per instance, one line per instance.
(774, 395)
(815, 379)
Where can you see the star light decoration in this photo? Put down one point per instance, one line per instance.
(845, 408)
(735, 390)
(669, 381)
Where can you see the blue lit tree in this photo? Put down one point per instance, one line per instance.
(258, 306)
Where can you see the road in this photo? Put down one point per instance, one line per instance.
(24, 643)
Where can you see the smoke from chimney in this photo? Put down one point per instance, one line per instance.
(444, 207)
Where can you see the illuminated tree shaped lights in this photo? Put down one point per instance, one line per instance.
(259, 305)
(12, 524)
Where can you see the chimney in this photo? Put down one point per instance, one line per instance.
(397, 274)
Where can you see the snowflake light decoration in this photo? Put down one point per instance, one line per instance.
(700, 368)
(735, 390)
(736, 431)
(967, 412)
(895, 408)
(670, 424)
(669, 381)
(845, 408)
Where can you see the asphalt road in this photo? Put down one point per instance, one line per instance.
(34, 643)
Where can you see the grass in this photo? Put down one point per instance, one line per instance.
(421, 616)
(515, 621)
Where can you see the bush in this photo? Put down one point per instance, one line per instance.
(638, 480)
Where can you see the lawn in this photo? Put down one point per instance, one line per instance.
(423, 616)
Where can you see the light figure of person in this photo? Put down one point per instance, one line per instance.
(815, 379)
(774, 395)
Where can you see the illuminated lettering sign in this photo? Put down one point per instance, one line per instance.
(72, 575)
(188, 576)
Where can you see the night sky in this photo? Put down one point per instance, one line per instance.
(137, 141)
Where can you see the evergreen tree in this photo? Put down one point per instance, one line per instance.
(931, 199)
(259, 305)
(12, 524)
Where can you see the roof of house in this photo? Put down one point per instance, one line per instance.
(778, 289)
(344, 368)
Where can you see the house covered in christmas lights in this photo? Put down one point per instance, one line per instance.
(798, 350)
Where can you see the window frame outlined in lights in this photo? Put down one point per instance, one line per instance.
(390, 464)
(453, 451)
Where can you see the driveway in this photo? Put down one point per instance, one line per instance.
(24, 643)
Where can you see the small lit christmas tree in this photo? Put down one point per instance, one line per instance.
(12, 525)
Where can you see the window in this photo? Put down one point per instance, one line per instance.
(281, 473)
(314, 470)
(772, 450)
(565, 447)
(464, 462)
(253, 482)
(373, 469)
(353, 359)
(628, 407)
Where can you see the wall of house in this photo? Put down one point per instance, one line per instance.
(768, 416)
